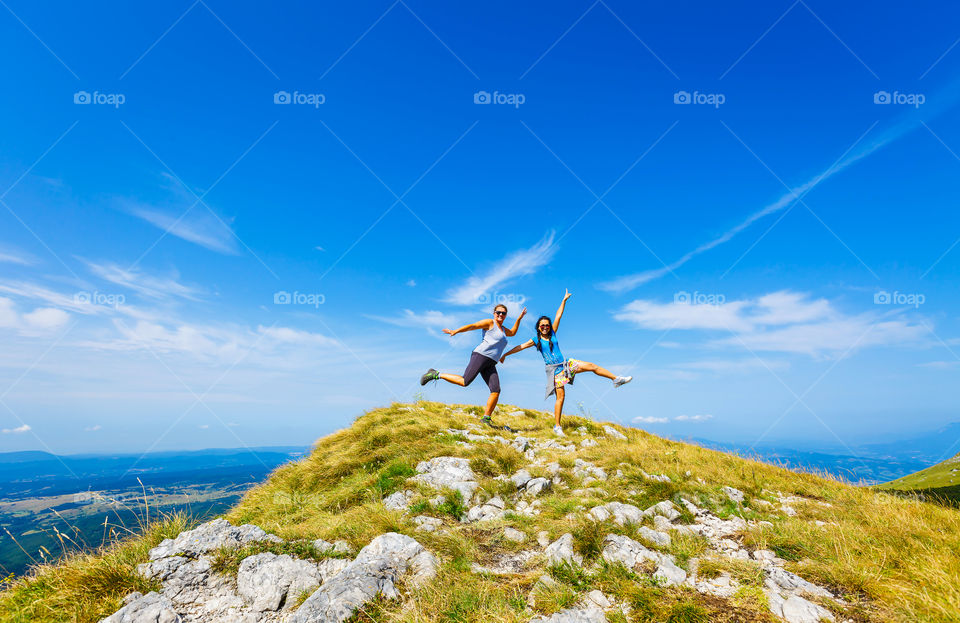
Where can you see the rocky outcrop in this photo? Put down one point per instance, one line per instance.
(268, 587)
(210, 536)
(270, 582)
(447, 472)
(375, 571)
(149, 608)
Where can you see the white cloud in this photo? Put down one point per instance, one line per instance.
(287, 335)
(692, 418)
(93, 429)
(197, 225)
(649, 419)
(41, 320)
(783, 321)
(412, 283)
(652, 315)
(154, 287)
(15, 431)
(517, 264)
(204, 426)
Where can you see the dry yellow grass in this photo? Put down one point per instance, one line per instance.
(893, 559)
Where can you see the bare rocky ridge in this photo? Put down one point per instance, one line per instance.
(270, 588)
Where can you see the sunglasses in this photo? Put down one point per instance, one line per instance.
(500, 313)
(544, 326)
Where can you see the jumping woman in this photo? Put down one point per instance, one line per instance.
(483, 360)
(560, 371)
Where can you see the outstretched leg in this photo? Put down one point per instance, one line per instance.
(456, 379)
(586, 366)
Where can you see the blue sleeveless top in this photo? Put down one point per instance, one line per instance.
(550, 356)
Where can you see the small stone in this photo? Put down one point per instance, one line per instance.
(537, 485)
(735, 495)
(543, 538)
(665, 508)
(398, 501)
(612, 432)
(561, 551)
(669, 574)
(521, 478)
(426, 523)
(512, 534)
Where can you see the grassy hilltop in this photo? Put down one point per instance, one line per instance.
(888, 558)
(940, 482)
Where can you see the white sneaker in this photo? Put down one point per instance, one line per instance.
(622, 380)
(558, 431)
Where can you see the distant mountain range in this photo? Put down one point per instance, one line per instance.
(42, 493)
(872, 463)
(36, 473)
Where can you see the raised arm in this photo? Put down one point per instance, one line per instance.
(517, 349)
(516, 325)
(486, 323)
(563, 304)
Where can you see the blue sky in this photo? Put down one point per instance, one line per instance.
(753, 205)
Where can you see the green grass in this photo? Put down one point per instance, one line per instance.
(937, 483)
(893, 559)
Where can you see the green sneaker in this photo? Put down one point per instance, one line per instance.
(486, 420)
(430, 375)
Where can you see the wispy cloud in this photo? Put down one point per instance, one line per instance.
(148, 285)
(12, 256)
(198, 226)
(16, 431)
(781, 321)
(92, 429)
(908, 124)
(518, 264)
(431, 320)
(693, 418)
(649, 419)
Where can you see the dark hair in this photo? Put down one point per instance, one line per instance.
(499, 305)
(538, 343)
